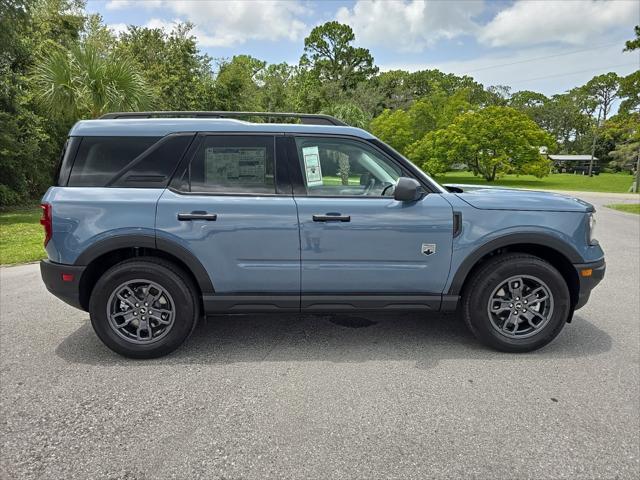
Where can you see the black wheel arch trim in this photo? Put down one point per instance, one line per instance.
(149, 241)
(532, 238)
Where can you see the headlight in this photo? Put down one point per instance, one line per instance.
(592, 227)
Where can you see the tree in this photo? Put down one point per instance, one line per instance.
(492, 141)
(623, 132)
(634, 44)
(630, 93)
(30, 140)
(236, 85)
(273, 81)
(601, 92)
(329, 53)
(401, 128)
(179, 76)
(82, 82)
(349, 114)
(395, 128)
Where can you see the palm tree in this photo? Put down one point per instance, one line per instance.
(83, 82)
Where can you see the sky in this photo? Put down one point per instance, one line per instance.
(543, 45)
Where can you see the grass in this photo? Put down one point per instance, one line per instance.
(605, 182)
(626, 207)
(21, 235)
(329, 180)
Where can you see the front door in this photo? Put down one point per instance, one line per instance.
(360, 248)
(235, 213)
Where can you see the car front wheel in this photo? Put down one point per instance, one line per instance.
(516, 303)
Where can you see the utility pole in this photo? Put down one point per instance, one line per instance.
(593, 147)
(635, 186)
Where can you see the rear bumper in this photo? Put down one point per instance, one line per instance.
(588, 283)
(67, 287)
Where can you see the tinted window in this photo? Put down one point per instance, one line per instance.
(232, 164)
(342, 167)
(100, 158)
(156, 165)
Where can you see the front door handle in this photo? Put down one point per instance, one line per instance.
(332, 217)
(211, 217)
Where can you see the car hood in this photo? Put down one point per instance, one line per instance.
(492, 198)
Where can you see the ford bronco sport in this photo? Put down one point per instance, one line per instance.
(160, 218)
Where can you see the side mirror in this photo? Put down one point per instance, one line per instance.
(407, 190)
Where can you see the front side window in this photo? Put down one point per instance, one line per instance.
(343, 167)
(232, 164)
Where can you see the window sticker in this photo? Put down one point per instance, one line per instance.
(312, 168)
(225, 165)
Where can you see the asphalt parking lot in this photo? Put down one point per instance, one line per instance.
(393, 396)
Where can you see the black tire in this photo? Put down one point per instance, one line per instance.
(167, 276)
(490, 276)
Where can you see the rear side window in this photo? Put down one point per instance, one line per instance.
(154, 167)
(99, 159)
(232, 164)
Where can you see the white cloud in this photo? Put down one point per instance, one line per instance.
(121, 4)
(166, 25)
(117, 28)
(225, 23)
(570, 22)
(410, 25)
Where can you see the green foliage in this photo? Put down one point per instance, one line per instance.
(395, 128)
(236, 87)
(600, 92)
(634, 44)
(329, 53)
(623, 133)
(180, 76)
(30, 141)
(349, 114)
(492, 141)
(630, 93)
(85, 83)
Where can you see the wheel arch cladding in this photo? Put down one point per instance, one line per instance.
(559, 254)
(103, 255)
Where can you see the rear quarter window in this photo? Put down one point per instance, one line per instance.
(99, 159)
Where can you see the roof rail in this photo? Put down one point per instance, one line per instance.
(305, 118)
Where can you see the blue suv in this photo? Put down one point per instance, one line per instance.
(160, 218)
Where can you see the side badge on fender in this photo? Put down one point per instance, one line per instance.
(428, 248)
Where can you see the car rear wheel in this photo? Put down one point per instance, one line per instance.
(516, 303)
(143, 307)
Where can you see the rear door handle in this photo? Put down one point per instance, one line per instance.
(211, 217)
(332, 217)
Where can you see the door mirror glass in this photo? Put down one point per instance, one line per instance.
(407, 190)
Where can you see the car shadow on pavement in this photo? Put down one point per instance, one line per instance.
(334, 338)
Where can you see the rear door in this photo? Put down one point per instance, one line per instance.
(360, 248)
(231, 205)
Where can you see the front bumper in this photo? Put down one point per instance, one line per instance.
(63, 281)
(588, 283)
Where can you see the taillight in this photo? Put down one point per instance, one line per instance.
(46, 222)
